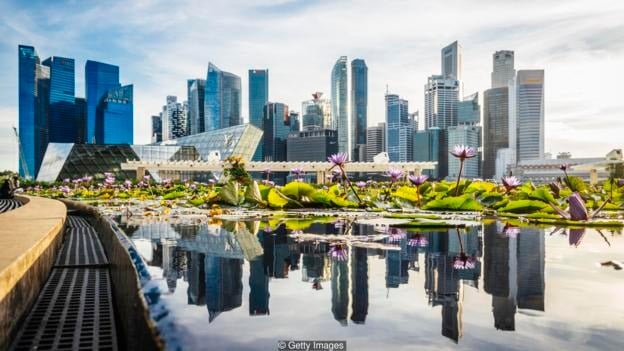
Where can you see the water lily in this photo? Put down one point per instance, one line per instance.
(297, 171)
(577, 211)
(464, 261)
(555, 187)
(510, 183)
(66, 180)
(417, 181)
(462, 152)
(361, 185)
(268, 182)
(564, 167)
(418, 240)
(338, 252)
(396, 234)
(127, 183)
(511, 231)
(87, 179)
(339, 159)
(394, 174)
(65, 189)
(146, 178)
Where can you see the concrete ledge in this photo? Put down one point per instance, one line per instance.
(30, 237)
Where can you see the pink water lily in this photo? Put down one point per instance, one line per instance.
(338, 160)
(394, 174)
(361, 185)
(418, 240)
(297, 171)
(577, 211)
(510, 183)
(464, 261)
(463, 152)
(417, 181)
(396, 234)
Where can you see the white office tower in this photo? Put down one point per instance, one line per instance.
(340, 103)
(530, 114)
(503, 69)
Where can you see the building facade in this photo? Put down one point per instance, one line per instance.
(99, 79)
(503, 71)
(156, 129)
(495, 127)
(258, 97)
(452, 61)
(339, 103)
(276, 127)
(441, 98)
(359, 109)
(62, 118)
(375, 141)
(196, 117)
(311, 145)
(116, 124)
(469, 136)
(431, 145)
(530, 114)
(399, 133)
(222, 99)
(316, 113)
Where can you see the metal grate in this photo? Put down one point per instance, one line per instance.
(73, 312)
(82, 247)
(8, 205)
(77, 222)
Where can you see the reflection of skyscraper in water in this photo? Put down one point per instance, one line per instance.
(531, 252)
(444, 290)
(258, 288)
(315, 267)
(359, 290)
(196, 278)
(224, 286)
(174, 264)
(340, 291)
(396, 269)
(276, 252)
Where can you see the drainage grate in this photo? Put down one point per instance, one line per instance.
(77, 222)
(82, 247)
(73, 312)
(8, 205)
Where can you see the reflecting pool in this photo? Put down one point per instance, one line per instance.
(246, 285)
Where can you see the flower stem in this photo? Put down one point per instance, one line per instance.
(346, 179)
(461, 168)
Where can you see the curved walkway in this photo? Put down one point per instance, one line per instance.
(7, 205)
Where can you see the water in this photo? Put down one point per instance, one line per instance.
(529, 290)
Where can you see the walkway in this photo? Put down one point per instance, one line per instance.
(9, 204)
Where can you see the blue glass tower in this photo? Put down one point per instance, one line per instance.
(62, 122)
(339, 103)
(99, 79)
(399, 129)
(116, 124)
(258, 97)
(33, 84)
(359, 108)
(196, 90)
(222, 99)
(276, 128)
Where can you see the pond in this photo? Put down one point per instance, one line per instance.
(246, 285)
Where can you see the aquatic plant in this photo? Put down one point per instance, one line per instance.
(338, 161)
(464, 261)
(338, 252)
(417, 181)
(418, 240)
(462, 152)
(394, 174)
(510, 183)
(577, 210)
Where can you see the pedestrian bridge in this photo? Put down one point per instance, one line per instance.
(320, 168)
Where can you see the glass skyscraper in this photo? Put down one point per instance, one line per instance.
(359, 108)
(258, 97)
(276, 127)
(495, 127)
(467, 132)
(116, 125)
(33, 84)
(316, 113)
(196, 92)
(339, 103)
(222, 99)
(431, 145)
(452, 61)
(399, 129)
(62, 121)
(441, 97)
(530, 118)
(502, 68)
(99, 79)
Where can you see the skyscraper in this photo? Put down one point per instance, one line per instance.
(156, 129)
(467, 132)
(441, 97)
(316, 113)
(452, 61)
(339, 103)
(222, 99)
(116, 125)
(99, 79)
(359, 108)
(375, 141)
(62, 122)
(174, 119)
(80, 105)
(432, 145)
(276, 127)
(33, 84)
(530, 114)
(399, 129)
(258, 97)
(495, 127)
(503, 70)
(196, 92)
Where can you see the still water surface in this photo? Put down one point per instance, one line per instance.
(238, 286)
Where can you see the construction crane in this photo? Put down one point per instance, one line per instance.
(21, 154)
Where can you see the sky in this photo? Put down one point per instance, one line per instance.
(160, 44)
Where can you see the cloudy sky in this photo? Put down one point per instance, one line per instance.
(159, 44)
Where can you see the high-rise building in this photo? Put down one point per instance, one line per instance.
(80, 104)
(258, 97)
(196, 116)
(441, 97)
(33, 85)
(430, 145)
(312, 145)
(339, 103)
(62, 122)
(174, 119)
(468, 135)
(295, 121)
(222, 101)
(503, 70)
(399, 133)
(375, 141)
(452, 61)
(469, 111)
(316, 113)
(116, 124)
(530, 114)
(156, 129)
(276, 127)
(359, 108)
(495, 127)
(99, 79)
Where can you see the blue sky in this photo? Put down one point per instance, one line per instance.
(159, 44)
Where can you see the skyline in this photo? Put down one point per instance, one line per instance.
(577, 45)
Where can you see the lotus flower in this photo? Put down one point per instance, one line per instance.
(555, 188)
(147, 178)
(128, 184)
(510, 183)
(66, 180)
(297, 171)
(577, 211)
(564, 167)
(463, 152)
(212, 181)
(65, 189)
(339, 159)
(268, 182)
(394, 174)
(418, 180)
(338, 252)
(418, 240)
(396, 234)
(361, 185)
(87, 179)
(464, 261)
(193, 186)
(267, 171)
